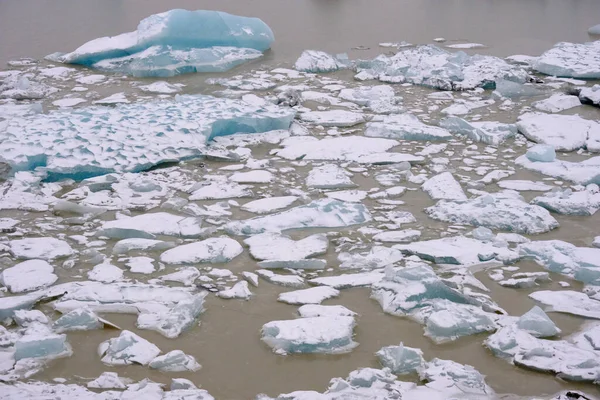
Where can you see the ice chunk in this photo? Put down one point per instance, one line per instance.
(568, 301)
(269, 204)
(380, 99)
(329, 176)
(106, 273)
(446, 320)
(405, 127)
(339, 118)
(28, 275)
(160, 87)
(273, 246)
(148, 226)
(525, 280)
(495, 211)
(582, 173)
(315, 295)
(319, 61)
(126, 245)
(315, 310)
(594, 30)
(590, 95)
(489, 132)
(401, 359)
(403, 236)
(175, 361)
(564, 132)
(524, 185)
(214, 250)
(221, 190)
(324, 213)
(444, 186)
(173, 321)
(376, 257)
(571, 60)
(43, 248)
(127, 348)
(283, 280)
(108, 380)
(60, 143)
(238, 291)
(557, 102)
(256, 176)
(81, 319)
(27, 317)
(39, 341)
(514, 90)
(585, 202)
(345, 148)
(353, 196)
(451, 377)
(8, 305)
(537, 323)
(330, 335)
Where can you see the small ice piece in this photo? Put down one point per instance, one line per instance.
(238, 291)
(405, 127)
(376, 257)
(447, 321)
(451, 378)
(594, 30)
(148, 226)
(273, 246)
(542, 153)
(175, 361)
(269, 204)
(184, 275)
(106, 273)
(524, 185)
(140, 265)
(315, 295)
(525, 280)
(569, 302)
(316, 310)
(329, 176)
(590, 95)
(68, 102)
(28, 275)
(251, 277)
(323, 213)
(596, 242)
(380, 99)
(489, 132)
(214, 250)
(585, 202)
(278, 279)
(160, 87)
(257, 176)
(495, 211)
(329, 118)
(581, 173)
(352, 196)
(571, 60)
(330, 335)
(172, 322)
(346, 281)
(39, 341)
(318, 61)
(108, 380)
(444, 186)
(564, 132)
(536, 323)
(181, 383)
(8, 305)
(513, 90)
(483, 234)
(127, 348)
(27, 317)
(221, 190)
(403, 236)
(126, 245)
(401, 359)
(43, 248)
(557, 102)
(80, 319)
(117, 98)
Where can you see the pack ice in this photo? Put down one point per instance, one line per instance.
(176, 42)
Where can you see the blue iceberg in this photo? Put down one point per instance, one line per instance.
(175, 42)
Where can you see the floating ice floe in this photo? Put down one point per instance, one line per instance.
(175, 42)
(105, 273)
(175, 361)
(273, 246)
(269, 204)
(127, 348)
(283, 280)
(571, 60)
(108, 380)
(139, 244)
(536, 323)
(184, 275)
(238, 291)
(495, 211)
(564, 132)
(339, 118)
(148, 226)
(98, 140)
(315, 295)
(444, 187)
(584, 202)
(581, 173)
(28, 275)
(319, 61)
(380, 99)
(569, 302)
(317, 310)
(257, 176)
(43, 248)
(330, 335)
(214, 250)
(523, 185)
(489, 132)
(581, 263)
(20, 87)
(329, 176)
(403, 236)
(171, 322)
(376, 257)
(160, 87)
(401, 359)
(557, 103)
(405, 127)
(590, 95)
(324, 213)
(346, 281)
(437, 68)
(80, 319)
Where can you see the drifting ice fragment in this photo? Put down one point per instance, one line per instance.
(492, 133)
(339, 118)
(319, 61)
(28, 275)
(172, 322)
(536, 323)
(106, 273)
(444, 187)
(581, 173)
(401, 359)
(43, 248)
(283, 280)
(108, 380)
(81, 319)
(557, 102)
(405, 127)
(403, 236)
(542, 152)
(273, 246)
(585, 202)
(569, 302)
(238, 291)
(314, 295)
(127, 348)
(214, 250)
(571, 60)
(451, 377)
(40, 342)
(269, 204)
(349, 280)
(590, 95)
(380, 99)
(175, 361)
(329, 176)
(330, 335)
(564, 132)
(126, 245)
(316, 310)
(376, 257)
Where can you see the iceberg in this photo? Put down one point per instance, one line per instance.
(323, 213)
(319, 61)
(174, 42)
(401, 359)
(571, 60)
(214, 250)
(93, 141)
(127, 348)
(405, 127)
(585, 202)
(488, 132)
(175, 361)
(495, 211)
(564, 132)
(330, 335)
(28, 275)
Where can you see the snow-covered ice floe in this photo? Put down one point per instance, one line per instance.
(176, 42)
(319, 61)
(133, 137)
(571, 60)
(583, 202)
(582, 173)
(564, 132)
(489, 132)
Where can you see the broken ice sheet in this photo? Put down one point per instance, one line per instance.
(127, 348)
(564, 132)
(238, 291)
(492, 133)
(28, 275)
(314, 295)
(584, 202)
(582, 173)
(571, 60)
(172, 322)
(329, 176)
(401, 359)
(568, 301)
(405, 127)
(273, 246)
(376, 257)
(175, 361)
(214, 250)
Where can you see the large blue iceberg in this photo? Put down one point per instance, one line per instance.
(176, 42)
